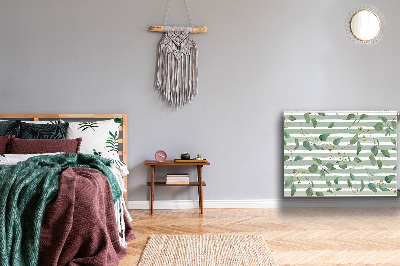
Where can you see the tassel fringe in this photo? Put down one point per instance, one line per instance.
(177, 69)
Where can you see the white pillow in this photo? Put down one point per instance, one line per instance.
(98, 137)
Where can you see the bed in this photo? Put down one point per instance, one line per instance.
(62, 206)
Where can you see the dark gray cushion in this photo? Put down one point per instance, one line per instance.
(43, 131)
(10, 127)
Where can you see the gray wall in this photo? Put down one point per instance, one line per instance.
(258, 59)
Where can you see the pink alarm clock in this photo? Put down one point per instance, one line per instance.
(161, 156)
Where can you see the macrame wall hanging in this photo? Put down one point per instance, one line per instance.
(176, 77)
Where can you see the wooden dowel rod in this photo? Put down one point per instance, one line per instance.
(191, 30)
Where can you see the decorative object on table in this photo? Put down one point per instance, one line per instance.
(194, 160)
(177, 68)
(198, 157)
(177, 178)
(340, 153)
(364, 25)
(161, 156)
(248, 250)
(185, 156)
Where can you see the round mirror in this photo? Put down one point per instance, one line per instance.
(365, 25)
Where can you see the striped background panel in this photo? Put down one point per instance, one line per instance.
(340, 153)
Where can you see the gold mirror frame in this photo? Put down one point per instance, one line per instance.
(350, 32)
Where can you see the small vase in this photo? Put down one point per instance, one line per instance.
(185, 156)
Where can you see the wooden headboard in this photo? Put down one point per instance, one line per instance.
(123, 138)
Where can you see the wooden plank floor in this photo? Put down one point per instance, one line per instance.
(296, 236)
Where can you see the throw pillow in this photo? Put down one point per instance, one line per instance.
(34, 146)
(98, 137)
(3, 143)
(10, 127)
(43, 131)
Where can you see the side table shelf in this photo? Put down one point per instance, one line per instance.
(199, 184)
(164, 184)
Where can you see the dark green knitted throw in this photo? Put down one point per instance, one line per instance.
(25, 190)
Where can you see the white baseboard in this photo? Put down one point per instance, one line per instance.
(271, 203)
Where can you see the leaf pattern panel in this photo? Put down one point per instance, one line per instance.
(340, 153)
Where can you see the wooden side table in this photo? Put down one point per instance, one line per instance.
(199, 184)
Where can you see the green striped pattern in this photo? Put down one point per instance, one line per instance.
(340, 153)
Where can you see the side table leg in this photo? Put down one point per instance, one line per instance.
(200, 180)
(152, 187)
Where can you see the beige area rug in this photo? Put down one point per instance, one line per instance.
(206, 250)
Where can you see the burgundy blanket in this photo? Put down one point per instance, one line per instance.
(79, 227)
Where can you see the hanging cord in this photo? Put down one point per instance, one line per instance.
(166, 12)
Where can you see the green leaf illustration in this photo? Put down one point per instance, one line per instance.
(292, 118)
(323, 137)
(307, 117)
(383, 119)
(284, 142)
(319, 194)
(337, 141)
(312, 183)
(318, 147)
(394, 141)
(389, 178)
(372, 187)
(307, 145)
(374, 150)
(287, 135)
(314, 122)
(363, 116)
(323, 114)
(343, 166)
(313, 168)
(331, 125)
(86, 125)
(383, 188)
(385, 153)
(285, 158)
(358, 160)
(297, 144)
(330, 166)
(298, 158)
(338, 188)
(350, 116)
(112, 141)
(372, 159)
(328, 183)
(362, 185)
(395, 168)
(394, 124)
(289, 181)
(378, 126)
(309, 192)
(293, 190)
(317, 160)
(359, 147)
(322, 174)
(336, 181)
(330, 191)
(349, 183)
(379, 164)
(352, 176)
(354, 139)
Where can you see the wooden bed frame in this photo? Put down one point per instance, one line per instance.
(123, 138)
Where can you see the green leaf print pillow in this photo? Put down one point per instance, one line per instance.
(98, 137)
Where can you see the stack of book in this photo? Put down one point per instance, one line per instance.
(177, 178)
